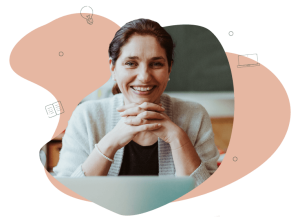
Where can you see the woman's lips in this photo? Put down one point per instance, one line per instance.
(145, 90)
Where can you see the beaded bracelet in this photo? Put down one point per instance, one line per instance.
(111, 160)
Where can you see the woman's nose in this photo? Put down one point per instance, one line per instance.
(144, 75)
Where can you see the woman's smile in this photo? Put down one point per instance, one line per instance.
(143, 90)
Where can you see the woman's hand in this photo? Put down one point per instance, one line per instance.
(150, 113)
(123, 133)
(185, 157)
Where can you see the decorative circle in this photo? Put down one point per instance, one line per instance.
(60, 53)
(235, 159)
(86, 6)
(230, 33)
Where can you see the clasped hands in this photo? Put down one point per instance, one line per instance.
(150, 117)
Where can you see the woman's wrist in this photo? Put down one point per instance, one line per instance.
(179, 140)
(96, 164)
(107, 148)
(185, 157)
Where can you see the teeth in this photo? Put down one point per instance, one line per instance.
(143, 88)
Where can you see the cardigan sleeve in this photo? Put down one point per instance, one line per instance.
(206, 149)
(75, 148)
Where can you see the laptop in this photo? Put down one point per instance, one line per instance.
(129, 195)
(249, 60)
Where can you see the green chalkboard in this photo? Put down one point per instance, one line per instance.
(200, 62)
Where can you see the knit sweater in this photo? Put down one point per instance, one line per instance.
(92, 120)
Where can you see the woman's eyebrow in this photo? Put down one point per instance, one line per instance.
(153, 58)
(132, 57)
(157, 58)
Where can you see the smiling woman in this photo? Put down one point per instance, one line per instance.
(148, 46)
(140, 130)
(142, 70)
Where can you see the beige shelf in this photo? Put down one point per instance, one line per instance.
(217, 104)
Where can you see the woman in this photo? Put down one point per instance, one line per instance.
(140, 130)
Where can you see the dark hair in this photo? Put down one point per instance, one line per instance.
(141, 27)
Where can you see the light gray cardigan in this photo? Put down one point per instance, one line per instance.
(91, 121)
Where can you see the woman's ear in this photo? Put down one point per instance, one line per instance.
(111, 66)
(170, 67)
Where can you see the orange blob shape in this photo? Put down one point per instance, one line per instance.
(68, 57)
(261, 120)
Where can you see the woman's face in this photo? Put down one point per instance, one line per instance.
(142, 70)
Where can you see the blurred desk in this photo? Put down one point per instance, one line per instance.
(53, 148)
(222, 128)
(220, 107)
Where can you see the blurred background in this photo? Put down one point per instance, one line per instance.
(200, 73)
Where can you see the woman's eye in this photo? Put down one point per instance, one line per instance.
(154, 64)
(130, 64)
(157, 64)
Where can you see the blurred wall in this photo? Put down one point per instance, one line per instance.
(200, 62)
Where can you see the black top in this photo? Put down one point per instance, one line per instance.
(140, 160)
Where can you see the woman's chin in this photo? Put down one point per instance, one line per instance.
(140, 100)
(143, 100)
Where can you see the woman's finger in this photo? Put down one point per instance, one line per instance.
(132, 111)
(150, 115)
(151, 107)
(149, 119)
(146, 127)
(127, 106)
(133, 120)
(145, 106)
(142, 108)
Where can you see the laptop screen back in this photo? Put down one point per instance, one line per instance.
(130, 195)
